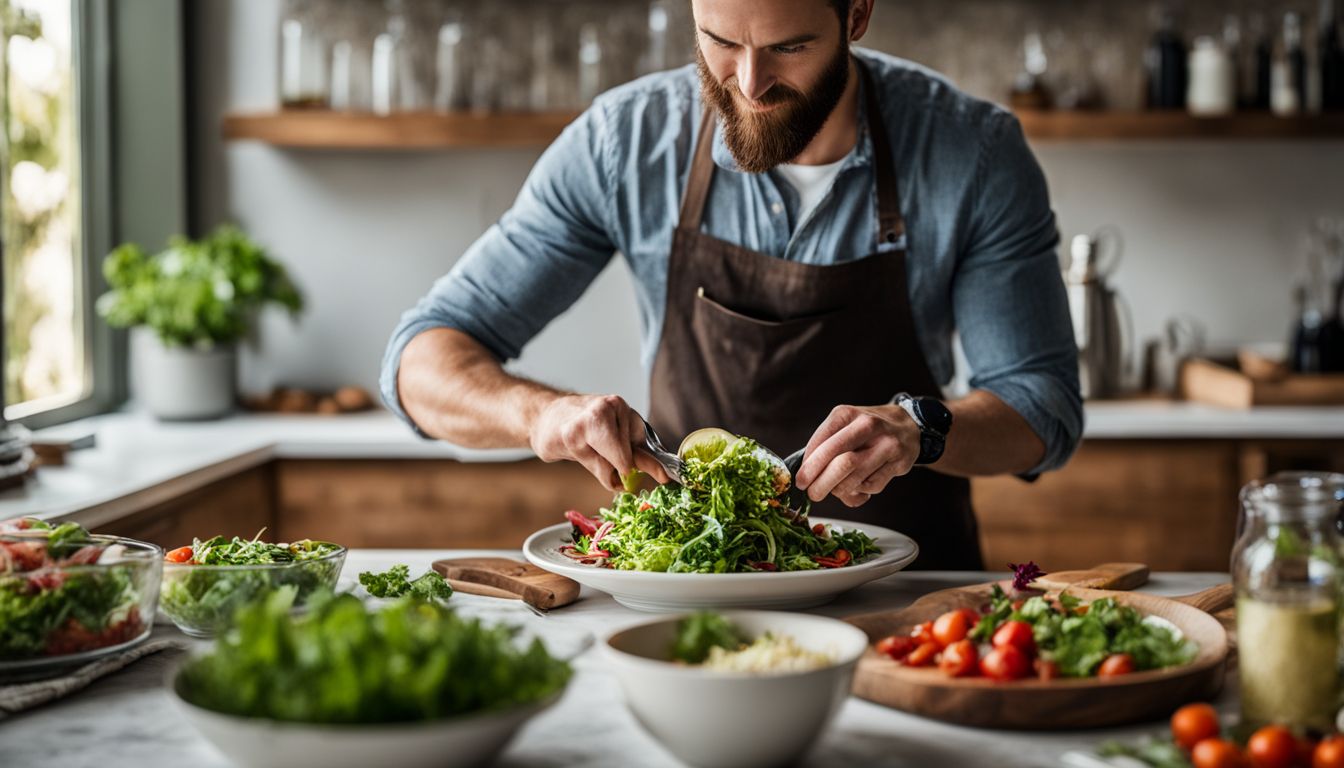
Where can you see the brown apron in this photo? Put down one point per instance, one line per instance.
(766, 347)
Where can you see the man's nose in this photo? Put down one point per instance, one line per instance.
(753, 76)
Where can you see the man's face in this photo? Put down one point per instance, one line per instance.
(774, 70)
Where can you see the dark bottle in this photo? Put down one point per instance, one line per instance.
(1263, 63)
(1296, 58)
(1305, 349)
(1165, 61)
(1331, 56)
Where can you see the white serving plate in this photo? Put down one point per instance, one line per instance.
(652, 591)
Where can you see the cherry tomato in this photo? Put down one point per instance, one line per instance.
(1046, 670)
(923, 633)
(1116, 664)
(1017, 634)
(1272, 747)
(953, 626)
(1192, 724)
(959, 659)
(1216, 753)
(923, 655)
(1329, 753)
(179, 555)
(896, 646)
(1005, 663)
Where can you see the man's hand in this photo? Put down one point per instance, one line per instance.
(598, 431)
(856, 451)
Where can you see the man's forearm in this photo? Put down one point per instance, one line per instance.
(988, 438)
(455, 390)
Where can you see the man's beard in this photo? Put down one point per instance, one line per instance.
(761, 141)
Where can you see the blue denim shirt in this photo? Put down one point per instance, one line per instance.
(980, 230)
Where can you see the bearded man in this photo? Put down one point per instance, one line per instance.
(808, 223)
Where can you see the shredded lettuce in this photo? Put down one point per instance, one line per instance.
(726, 518)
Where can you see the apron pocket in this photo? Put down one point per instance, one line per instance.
(754, 318)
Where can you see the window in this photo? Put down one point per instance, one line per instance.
(47, 355)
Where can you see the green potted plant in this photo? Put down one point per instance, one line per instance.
(187, 308)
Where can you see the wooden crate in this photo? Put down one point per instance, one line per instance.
(1223, 384)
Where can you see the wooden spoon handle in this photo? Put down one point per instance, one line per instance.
(1211, 600)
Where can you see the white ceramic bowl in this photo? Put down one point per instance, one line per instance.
(459, 741)
(709, 718)
(793, 590)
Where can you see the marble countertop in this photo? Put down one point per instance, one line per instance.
(128, 718)
(137, 458)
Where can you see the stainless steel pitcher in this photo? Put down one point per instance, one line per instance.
(1103, 338)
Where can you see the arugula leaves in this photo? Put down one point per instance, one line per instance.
(1079, 641)
(409, 661)
(394, 583)
(699, 632)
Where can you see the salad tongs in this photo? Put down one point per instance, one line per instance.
(670, 461)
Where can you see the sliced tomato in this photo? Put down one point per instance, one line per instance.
(1116, 664)
(954, 626)
(22, 555)
(923, 633)
(923, 655)
(179, 555)
(960, 659)
(585, 525)
(896, 646)
(1017, 634)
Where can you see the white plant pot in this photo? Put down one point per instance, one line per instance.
(182, 383)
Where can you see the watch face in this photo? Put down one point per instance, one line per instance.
(934, 414)
(930, 449)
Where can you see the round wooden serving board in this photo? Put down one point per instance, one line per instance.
(1033, 704)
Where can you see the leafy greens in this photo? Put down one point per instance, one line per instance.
(394, 583)
(699, 632)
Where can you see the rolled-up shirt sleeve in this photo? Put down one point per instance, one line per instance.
(1009, 298)
(531, 265)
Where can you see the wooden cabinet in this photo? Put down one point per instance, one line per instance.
(239, 505)
(429, 503)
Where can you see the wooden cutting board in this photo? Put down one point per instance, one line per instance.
(1057, 704)
(506, 578)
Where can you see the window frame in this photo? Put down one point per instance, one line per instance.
(133, 176)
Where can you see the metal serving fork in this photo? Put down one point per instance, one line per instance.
(670, 461)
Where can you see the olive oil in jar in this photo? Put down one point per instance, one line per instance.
(1287, 661)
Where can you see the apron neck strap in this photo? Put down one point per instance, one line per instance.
(890, 224)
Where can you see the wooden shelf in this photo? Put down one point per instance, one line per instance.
(318, 129)
(1164, 126)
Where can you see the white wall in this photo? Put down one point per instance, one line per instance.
(1211, 229)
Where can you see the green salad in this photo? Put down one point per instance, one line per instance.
(341, 662)
(729, 516)
(205, 583)
(51, 606)
(396, 582)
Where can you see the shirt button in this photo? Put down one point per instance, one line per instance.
(776, 208)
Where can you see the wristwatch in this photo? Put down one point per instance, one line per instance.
(934, 422)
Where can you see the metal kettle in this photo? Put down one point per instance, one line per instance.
(1103, 339)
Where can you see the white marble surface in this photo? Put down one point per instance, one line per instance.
(137, 457)
(129, 718)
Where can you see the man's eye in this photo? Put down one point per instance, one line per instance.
(786, 49)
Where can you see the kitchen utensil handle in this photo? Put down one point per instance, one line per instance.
(1211, 600)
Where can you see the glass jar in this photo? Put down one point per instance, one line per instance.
(303, 56)
(1286, 570)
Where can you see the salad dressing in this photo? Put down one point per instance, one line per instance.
(1287, 663)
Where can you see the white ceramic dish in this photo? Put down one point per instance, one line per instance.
(711, 719)
(459, 741)
(650, 591)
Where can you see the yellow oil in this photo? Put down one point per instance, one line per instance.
(1287, 661)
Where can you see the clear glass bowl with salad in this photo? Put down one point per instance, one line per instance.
(66, 594)
(204, 584)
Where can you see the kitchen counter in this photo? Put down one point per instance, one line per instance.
(139, 461)
(130, 719)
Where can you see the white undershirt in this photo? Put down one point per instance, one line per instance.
(811, 181)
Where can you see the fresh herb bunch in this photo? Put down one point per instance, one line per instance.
(395, 582)
(203, 600)
(48, 611)
(726, 518)
(1079, 641)
(195, 293)
(699, 632)
(342, 663)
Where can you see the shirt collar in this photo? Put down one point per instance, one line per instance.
(860, 155)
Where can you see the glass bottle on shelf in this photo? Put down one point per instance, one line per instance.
(449, 94)
(352, 58)
(303, 57)
(1286, 571)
